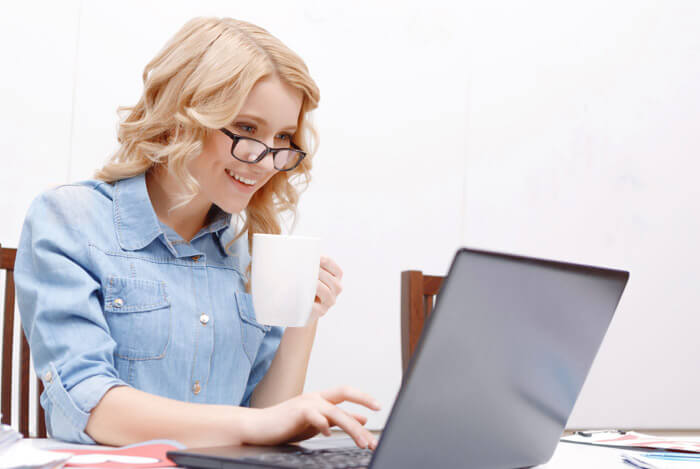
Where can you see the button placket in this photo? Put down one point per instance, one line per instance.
(204, 336)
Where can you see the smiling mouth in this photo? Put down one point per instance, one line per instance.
(241, 179)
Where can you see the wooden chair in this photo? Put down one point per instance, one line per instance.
(417, 299)
(7, 263)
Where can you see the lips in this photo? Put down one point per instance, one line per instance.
(248, 181)
(241, 187)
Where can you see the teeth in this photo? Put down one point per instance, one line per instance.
(250, 182)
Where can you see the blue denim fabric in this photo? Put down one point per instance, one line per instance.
(110, 296)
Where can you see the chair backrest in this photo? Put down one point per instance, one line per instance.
(7, 263)
(417, 299)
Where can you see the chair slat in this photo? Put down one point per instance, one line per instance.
(411, 312)
(40, 421)
(24, 386)
(7, 263)
(432, 284)
(7, 337)
(417, 300)
(7, 258)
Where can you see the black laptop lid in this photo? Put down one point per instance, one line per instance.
(500, 363)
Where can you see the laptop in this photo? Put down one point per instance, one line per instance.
(493, 380)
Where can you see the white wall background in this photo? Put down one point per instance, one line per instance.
(583, 144)
(557, 129)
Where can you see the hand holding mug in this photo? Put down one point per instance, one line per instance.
(292, 284)
(329, 287)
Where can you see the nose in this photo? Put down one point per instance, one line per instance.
(267, 164)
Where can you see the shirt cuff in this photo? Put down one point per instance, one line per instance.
(67, 412)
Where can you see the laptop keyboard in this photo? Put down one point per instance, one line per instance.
(330, 458)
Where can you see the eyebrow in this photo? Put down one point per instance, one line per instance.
(260, 120)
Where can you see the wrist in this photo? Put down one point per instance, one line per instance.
(250, 425)
(308, 329)
(247, 422)
(231, 423)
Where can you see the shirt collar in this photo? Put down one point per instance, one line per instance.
(136, 222)
(134, 218)
(219, 220)
(226, 236)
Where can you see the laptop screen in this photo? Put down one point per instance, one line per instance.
(500, 363)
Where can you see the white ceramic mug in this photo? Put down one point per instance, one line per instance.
(284, 278)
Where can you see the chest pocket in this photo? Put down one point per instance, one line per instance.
(252, 332)
(139, 317)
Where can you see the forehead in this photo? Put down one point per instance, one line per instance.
(275, 101)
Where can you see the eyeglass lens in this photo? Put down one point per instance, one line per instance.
(249, 150)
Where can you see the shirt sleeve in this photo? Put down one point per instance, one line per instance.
(62, 317)
(262, 362)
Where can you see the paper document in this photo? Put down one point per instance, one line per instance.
(620, 439)
(148, 454)
(8, 436)
(19, 453)
(15, 452)
(665, 460)
(23, 455)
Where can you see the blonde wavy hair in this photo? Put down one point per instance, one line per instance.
(197, 84)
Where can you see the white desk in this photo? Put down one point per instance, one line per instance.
(573, 456)
(566, 455)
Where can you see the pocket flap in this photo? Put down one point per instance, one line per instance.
(246, 312)
(131, 295)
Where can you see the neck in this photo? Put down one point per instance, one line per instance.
(163, 190)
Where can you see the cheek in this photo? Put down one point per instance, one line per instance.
(222, 147)
(211, 159)
(216, 150)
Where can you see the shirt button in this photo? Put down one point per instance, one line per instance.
(48, 377)
(196, 388)
(118, 303)
(204, 319)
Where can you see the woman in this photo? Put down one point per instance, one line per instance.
(133, 287)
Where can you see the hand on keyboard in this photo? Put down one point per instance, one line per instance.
(307, 415)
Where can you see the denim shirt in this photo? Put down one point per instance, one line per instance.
(110, 296)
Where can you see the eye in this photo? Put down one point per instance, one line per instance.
(246, 128)
(284, 137)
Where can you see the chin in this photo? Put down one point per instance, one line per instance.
(232, 207)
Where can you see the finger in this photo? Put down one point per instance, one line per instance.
(318, 310)
(347, 393)
(320, 422)
(359, 417)
(363, 438)
(331, 266)
(332, 282)
(325, 295)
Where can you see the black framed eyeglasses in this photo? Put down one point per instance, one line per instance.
(251, 151)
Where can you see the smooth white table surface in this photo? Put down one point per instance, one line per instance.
(566, 455)
(574, 456)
